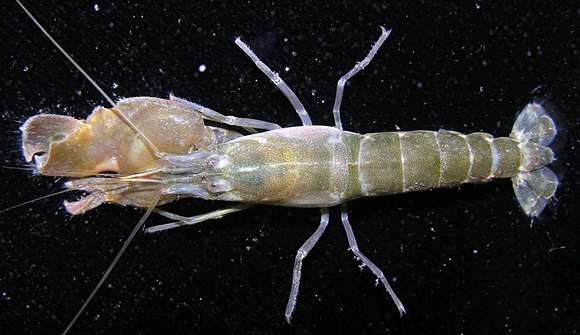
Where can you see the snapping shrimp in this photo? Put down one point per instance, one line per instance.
(145, 152)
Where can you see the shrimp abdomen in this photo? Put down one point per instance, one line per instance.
(396, 162)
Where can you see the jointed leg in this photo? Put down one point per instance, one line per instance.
(170, 215)
(185, 221)
(300, 255)
(275, 78)
(356, 69)
(212, 115)
(377, 272)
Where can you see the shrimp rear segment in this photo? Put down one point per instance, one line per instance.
(396, 162)
(536, 184)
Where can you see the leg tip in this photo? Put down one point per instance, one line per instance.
(402, 311)
(385, 31)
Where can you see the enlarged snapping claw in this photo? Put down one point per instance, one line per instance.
(64, 146)
(103, 143)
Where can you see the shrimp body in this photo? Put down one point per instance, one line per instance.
(307, 166)
(145, 152)
(317, 166)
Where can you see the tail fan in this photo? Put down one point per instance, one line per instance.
(536, 184)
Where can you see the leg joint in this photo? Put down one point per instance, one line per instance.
(300, 254)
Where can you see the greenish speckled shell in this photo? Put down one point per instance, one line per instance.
(317, 166)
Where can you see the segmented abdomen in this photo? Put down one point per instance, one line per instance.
(395, 162)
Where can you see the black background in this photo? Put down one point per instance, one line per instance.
(464, 261)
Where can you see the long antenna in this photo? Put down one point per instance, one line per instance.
(122, 116)
(33, 200)
(137, 228)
